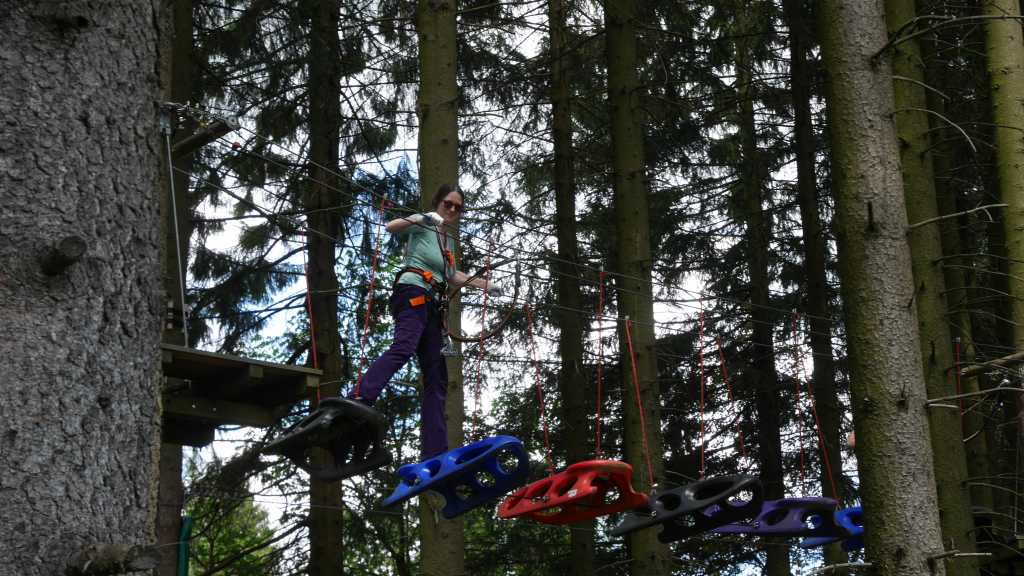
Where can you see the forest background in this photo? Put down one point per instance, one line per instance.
(695, 212)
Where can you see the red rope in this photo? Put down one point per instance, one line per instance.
(701, 355)
(480, 355)
(540, 390)
(639, 404)
(817, 425)
(821, 442)
(728, 387)
(600, 361)
(798, 360)
(959, 389)
(369, 300)
(312, 330)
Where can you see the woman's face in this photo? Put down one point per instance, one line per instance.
(450, 208)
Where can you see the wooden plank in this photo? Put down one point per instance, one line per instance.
(189, 356)
(220, 412)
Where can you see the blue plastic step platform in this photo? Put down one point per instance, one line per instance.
(793, 517)
(850, 522)
(341, 438)
(467, 477)
(695, 508)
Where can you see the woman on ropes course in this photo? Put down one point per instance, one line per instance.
(418, 305)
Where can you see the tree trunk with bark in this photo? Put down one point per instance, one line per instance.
(935, 343)
(633, 281)
(442, 541)
(887, 381)
(826, 398)
(572, 381)
(80, 158)
(324, 217)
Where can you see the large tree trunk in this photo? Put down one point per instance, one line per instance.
(762, 376)
(633, 281)
(572, 382)
(324, 218)
(79, 358)
(442, 541)
(1006, 74)
(897, 478)
(930, 287)
(826, 398)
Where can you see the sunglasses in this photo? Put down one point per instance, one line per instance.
(449, 205)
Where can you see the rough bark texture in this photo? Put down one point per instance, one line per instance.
(761, 374)
(1006, 74)
(634, 269)
(442, 541)
(79, 357)
(893, 447)
(936, 343)
(826, 398)
(572, 382)
(324, 221)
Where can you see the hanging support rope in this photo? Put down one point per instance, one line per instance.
(817, 424)
(639, 404)
(701, 357)
(480, 354)
(165, 128)
(600, 362)
(728, 388)
(369, 298)
(312, 327)
(540, 390)
(798, 360)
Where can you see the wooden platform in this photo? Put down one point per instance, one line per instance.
(204, 390)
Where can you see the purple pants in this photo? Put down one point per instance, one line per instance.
(417, 331)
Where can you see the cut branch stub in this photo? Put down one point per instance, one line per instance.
(64, 254)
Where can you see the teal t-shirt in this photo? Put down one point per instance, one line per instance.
(423, 251)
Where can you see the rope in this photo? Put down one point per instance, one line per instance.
(701, 356)
(369, 301)
(600, 362)
(639, 404)
(540, 390)
(728, 388)
(798, 360)
(177, 238)
(312, 326)
(959, 389)
(817, 421)
(480, 356)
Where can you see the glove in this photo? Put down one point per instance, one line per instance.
(494, 291)
(432, 218)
